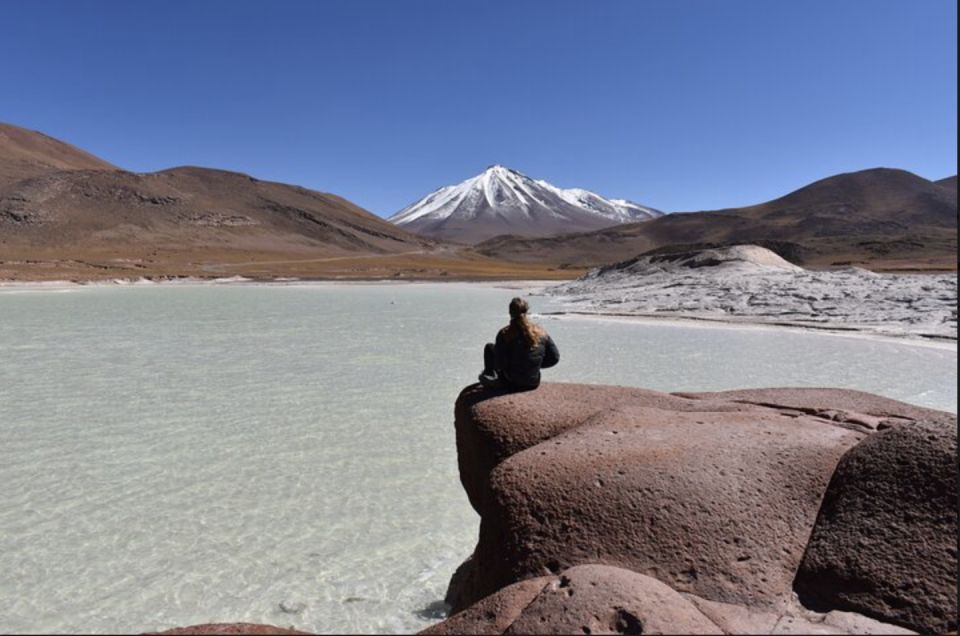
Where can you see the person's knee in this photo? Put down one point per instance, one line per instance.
(489, 355)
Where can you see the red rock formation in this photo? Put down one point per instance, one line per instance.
(713, 495)
(234, 629)
(587, 599)
(495, 613)
(601, 599)
(885, 543)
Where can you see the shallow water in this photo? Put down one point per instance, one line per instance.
(284, 454)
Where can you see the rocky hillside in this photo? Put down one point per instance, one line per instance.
(949, 182)
(58, 200)
(880, 218)
(189, 206)
(65, 214)
(27, 153)
(52, 193)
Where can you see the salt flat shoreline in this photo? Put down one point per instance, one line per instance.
(195, 386)
(702, 322)
(239, 280)
(536, 288)
(750, 284)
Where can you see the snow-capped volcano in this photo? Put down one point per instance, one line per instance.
(504, 201)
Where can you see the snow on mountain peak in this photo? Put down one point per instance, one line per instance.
(501, 200)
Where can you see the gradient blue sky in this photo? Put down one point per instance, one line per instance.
(679, 104)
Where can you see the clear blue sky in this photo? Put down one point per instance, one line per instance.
(678, 104)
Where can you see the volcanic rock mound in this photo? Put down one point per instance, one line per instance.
(700, 507)
(231, 629)
(886, 540)
(748, 283)
(740, 258)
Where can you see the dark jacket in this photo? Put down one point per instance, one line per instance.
(519, 365)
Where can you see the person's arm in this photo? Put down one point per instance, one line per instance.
(500, 347)
(551, 355)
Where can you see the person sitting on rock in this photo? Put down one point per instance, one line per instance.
(522, 348)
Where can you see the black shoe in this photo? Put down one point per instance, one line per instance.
(489, 379)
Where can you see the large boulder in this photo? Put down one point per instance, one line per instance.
(231, 629)
(602, 599)
(713, 494)
(885, 543)
(494, 424)
(490, 430)
(851, 409)
(719, 504)
(587, 599)
(495, 613)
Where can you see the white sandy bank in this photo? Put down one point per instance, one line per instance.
(752, 284)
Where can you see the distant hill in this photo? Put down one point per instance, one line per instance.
(503, 201)
(66, 214)
(949, 182)
(189, 207)
(882, 218)
(27, 153)
(56, 195)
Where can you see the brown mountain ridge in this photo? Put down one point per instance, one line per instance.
(27, 153)
(880, 218)
(949, 182)
(67, 214)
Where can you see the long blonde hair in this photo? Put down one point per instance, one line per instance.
(520, 324)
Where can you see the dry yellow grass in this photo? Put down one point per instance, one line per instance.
(32, 265)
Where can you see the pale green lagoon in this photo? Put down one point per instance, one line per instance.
(180, 454)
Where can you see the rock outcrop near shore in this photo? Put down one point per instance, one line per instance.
(885, 542)
(231, 629)
(623, 510)
(748, 283)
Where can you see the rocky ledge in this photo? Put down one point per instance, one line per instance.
(229, 629)
(622, 510)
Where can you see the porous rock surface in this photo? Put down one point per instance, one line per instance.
(233, 629)
(586, 599)
(885, 544)
(713, 495)
(603, 599)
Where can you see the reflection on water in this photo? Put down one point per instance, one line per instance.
(285, 454)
